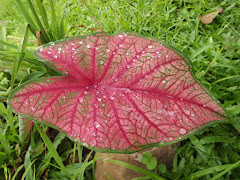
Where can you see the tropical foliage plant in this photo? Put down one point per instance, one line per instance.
(213, 50)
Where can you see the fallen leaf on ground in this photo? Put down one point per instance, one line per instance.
(208, 18)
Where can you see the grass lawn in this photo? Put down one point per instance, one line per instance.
(214, 50)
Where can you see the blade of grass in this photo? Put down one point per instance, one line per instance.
(200, 50)
(44, 18)
(204, 172)
(93, 16)
(213, 61)
(10, 122)
(17, 171)
(225, 78)
(7, 44)
(27, 169)
(27, 16)
(21, 49)
(85, 165)
(45, 36)
(52, 149)
(2, 35)
(226, 170)
(81, 173)
(93, 165)
(54, 20)
(136, 168)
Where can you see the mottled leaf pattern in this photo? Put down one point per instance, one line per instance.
(120, 93)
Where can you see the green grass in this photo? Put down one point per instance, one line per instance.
(213, 49)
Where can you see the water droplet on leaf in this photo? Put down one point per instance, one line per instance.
(182, 131)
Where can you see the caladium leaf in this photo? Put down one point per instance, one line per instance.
(118, 93)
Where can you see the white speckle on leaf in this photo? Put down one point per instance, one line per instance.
(182, 131)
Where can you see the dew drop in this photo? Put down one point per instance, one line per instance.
(26, 102)
(85, 92)
(104, 97)
(51, 43)
(163, 81)
(166, 56)
(114, 53)
(182, 131)
(80, 42)
(99, 99)
(146, 76)
(108, 50)
(111, 98)
(96, 105)
(72, 44)
(64, 97)
(157, 52)
(103, 104)
(80, 100)
(88, 46)
(108, 115)
(105, 121)
(128, 66)
(96, 48)
(181, 99)
(41, 49)
(96, 124)
(49, 52)
(149, 46)
(120, 45)
(73, 49)
(204, 105)
(192, 115)
(55, 56)
(32, 108)
(120, 36)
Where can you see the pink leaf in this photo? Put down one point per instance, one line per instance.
(120, 93)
